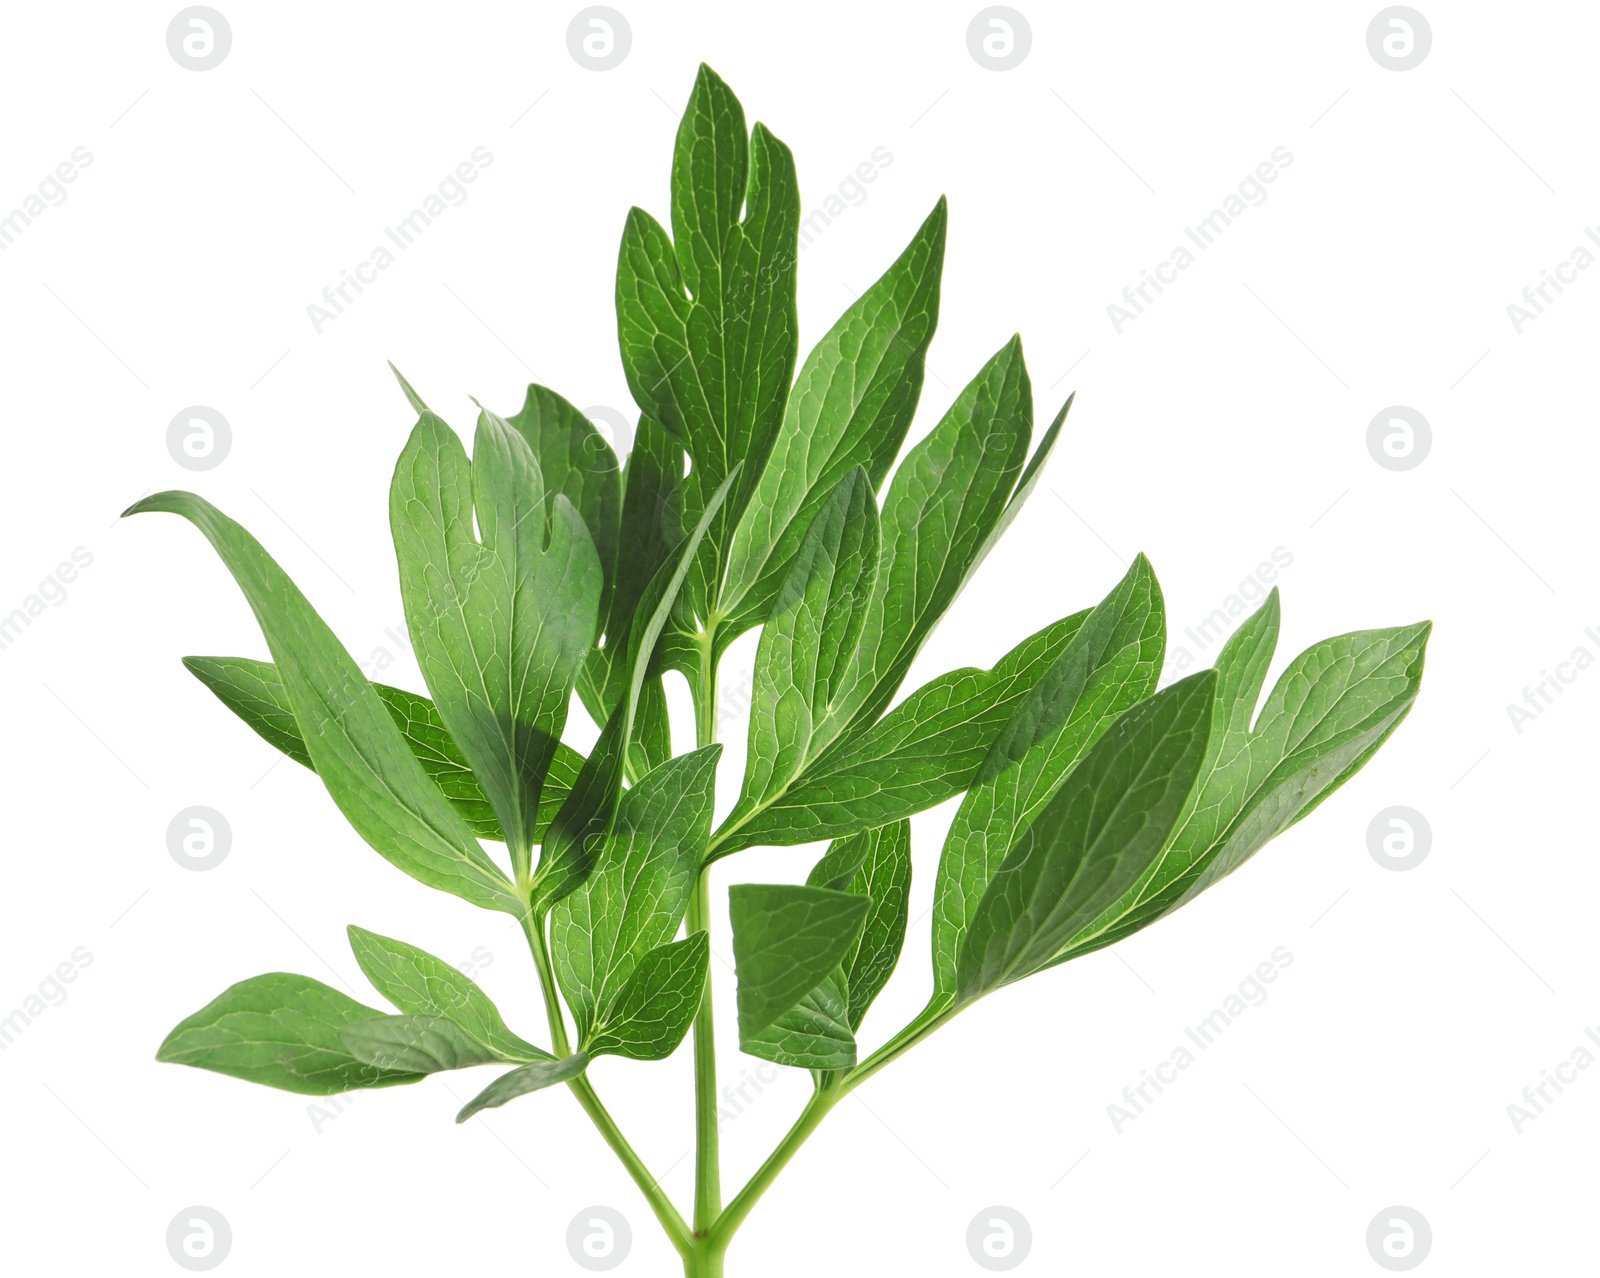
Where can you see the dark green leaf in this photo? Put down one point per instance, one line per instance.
(419, 984)
(500, 627)
(635, 896)
(813, 1034)
(353, 742)
(944, 501)
(254, 692)
(875, 864)
(282, 1030)
(851, 406)
(809, 640)
(1093, 840)
(577, 464)
(1333, 707)
(921, 753)
(1112, 662)
(787, 940)
(519, 1082)
(656, 1005)
(579, 828)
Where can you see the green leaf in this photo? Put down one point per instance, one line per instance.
(1112, 662)
(579, 828)
(875, 864)
(418, 1044)
(651, 531)
(944, 501)
(706, 321)
(1093, 840)
(657, 1004)
(921, 753)
(635, 896)
(500, 627)
(353, 742)
(1330, 711)
(787, 941)
(281, 1030)
(519, 1082)
(419, 984)
(577, 463)
(809, 640)
(813, 1034)
(412, 398)
(851, 406)
(254, 692)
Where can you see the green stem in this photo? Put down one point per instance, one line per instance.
(822, 1100)
(707, 1158)
(660, 1204)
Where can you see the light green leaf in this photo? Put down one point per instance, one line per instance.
(851, 406)
(1092, 841)
(657, 1004)
(875, 864)
(419, 984)
(1330, 711)
(788, 940)
(281, 1030)
(1112, 662)
(579, 828)
(254, 692)
(809, 640)
(418, 1044)
(353, 742)
(635, 896)
(921, 753)
(519, 1082)
(500, 627)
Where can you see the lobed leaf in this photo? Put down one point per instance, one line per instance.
(875, 864)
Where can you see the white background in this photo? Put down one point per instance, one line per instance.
(1228, 420)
